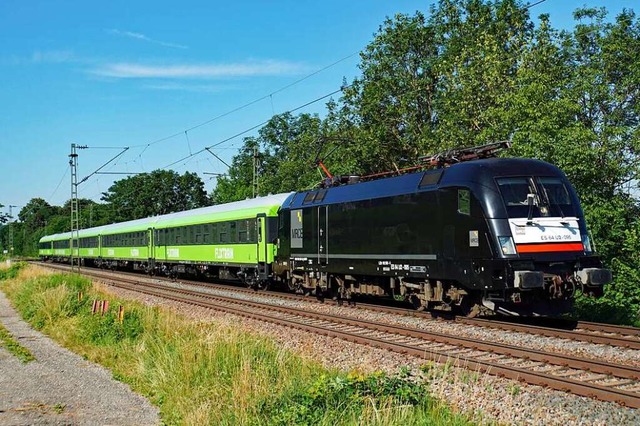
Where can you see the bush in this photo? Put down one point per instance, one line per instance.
(12, 271)
(356, 398)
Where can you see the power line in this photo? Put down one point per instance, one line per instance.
(248, 104)
(529, 6)
(208, 148)
(59, 183)
(125, 149)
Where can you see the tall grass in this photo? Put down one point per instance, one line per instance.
(213, 372)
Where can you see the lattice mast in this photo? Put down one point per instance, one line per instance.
(11, 231)
(75, 208)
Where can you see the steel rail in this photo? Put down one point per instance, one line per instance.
(234, 306)
(626, 341)
(626, 336)
(584, 388)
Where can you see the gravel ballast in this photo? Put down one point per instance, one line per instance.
(613, 354)
(60, 387)
(487, 399)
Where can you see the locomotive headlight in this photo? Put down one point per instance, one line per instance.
(506, 245)
(586, 243)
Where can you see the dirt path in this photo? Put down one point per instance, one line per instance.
(60, 387)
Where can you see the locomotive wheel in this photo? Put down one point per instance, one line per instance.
(416, 303)
(468, 308)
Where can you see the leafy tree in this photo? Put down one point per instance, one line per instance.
(286, 146)
(431, 84)
(391, 105)
(155, 193)
(480, 45)
(4, 217)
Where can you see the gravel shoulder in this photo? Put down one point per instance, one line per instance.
(60, 387)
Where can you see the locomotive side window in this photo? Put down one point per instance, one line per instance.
(464, 201)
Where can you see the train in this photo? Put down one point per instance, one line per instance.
(478, 234)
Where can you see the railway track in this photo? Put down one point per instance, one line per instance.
(592, 378)
(626, 337)
(596, 333)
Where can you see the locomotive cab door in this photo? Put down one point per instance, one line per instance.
(323, 235)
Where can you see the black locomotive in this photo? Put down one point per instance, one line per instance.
(506, 235)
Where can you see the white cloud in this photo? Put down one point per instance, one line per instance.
(211, 71)
(143, 37)
(200, 88)
(51, 56)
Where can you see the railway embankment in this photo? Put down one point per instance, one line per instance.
(482, 397)
(211, 370)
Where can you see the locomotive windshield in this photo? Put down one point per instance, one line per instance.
(551, 197)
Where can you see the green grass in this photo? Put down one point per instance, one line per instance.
(215, 373)
(6, 339)
(9, 343)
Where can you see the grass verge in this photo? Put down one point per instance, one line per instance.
(9, 343)
(213, 372)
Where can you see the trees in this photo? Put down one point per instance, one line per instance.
(287, 146)
(4, 218)
(155, 193)
(434, 83)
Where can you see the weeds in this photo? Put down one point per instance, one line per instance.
(9, 343)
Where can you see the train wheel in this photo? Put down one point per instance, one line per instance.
(468, 308)
(416, 303)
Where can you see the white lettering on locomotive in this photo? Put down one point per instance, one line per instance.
(296, 229)
(548, 229)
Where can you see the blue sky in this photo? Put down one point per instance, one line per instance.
(127, 73)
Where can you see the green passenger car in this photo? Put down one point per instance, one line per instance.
(45, 247)
(56, 247)
(234, 240)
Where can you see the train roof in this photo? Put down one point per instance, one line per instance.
(481, 172)
(229, 211)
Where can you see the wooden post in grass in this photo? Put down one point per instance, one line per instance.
(80, 296)
(121, 314)
(105, 307)
(94, 308)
